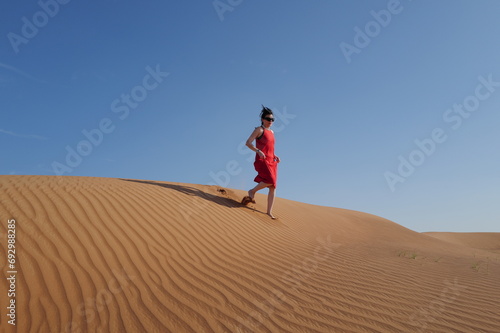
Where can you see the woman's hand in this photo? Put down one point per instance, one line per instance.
(277, 159)
(261, 154)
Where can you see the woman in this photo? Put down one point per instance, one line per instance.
(266, 163)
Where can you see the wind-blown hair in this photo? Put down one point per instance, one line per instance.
(265, 112)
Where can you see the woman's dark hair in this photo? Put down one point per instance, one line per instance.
(265, 112)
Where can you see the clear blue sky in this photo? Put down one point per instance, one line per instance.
(356, 84)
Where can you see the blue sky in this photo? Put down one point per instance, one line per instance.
(386, 107)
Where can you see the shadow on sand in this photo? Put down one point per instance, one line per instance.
(187, 190)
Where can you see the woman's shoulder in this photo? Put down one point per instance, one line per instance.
(259, 131)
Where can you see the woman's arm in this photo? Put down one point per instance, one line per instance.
(255, 134)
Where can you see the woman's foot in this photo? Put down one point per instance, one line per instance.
(251, 195)
(272, 216)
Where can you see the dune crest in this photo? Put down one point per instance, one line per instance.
(123, 255)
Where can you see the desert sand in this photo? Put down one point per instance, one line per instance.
(123, 255)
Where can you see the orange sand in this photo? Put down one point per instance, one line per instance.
(113, 255)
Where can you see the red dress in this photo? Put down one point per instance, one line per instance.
(267, 168)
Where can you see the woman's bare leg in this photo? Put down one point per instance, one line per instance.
(258, 187)
(270, 201)
(270, 196)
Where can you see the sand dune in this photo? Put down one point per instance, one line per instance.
(116, 255)
(478, 240)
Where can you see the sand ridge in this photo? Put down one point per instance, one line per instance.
(489, 241)
(123, 255)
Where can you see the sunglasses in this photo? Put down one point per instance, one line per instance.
(268, 119)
